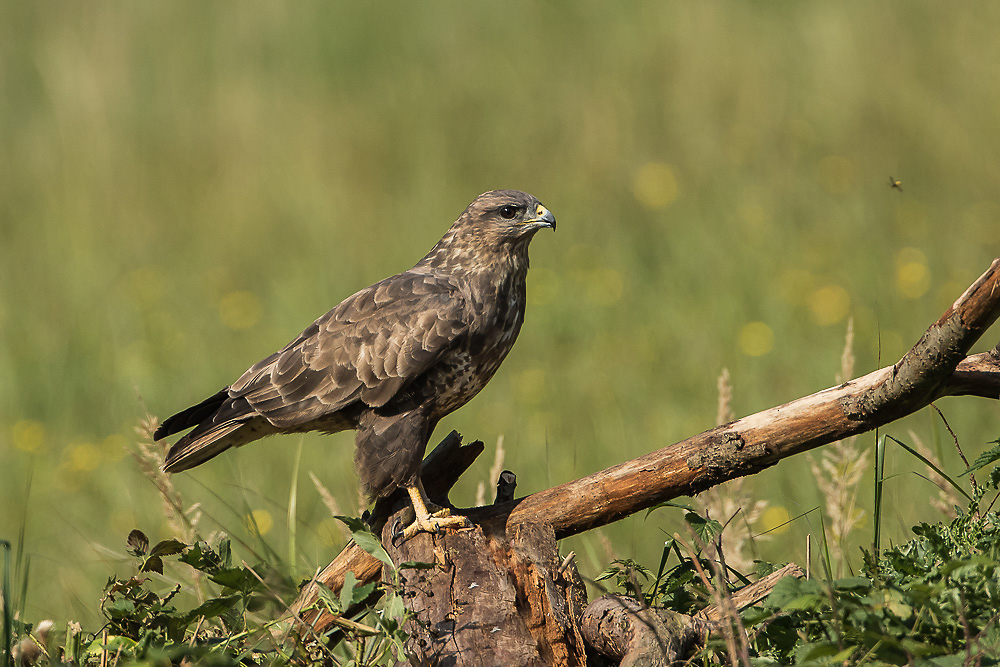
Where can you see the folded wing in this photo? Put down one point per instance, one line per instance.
(366, 349)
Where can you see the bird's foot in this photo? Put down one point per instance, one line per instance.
(426, 516)
(434, 523)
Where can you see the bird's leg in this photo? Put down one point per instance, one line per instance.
(425, 521)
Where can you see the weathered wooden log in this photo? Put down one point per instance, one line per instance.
(634, 635)
(627, 632)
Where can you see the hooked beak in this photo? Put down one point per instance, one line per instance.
(543, 218)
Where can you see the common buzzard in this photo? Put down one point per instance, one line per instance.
(389, 361)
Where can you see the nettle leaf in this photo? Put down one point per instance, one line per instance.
(791, 593)
(167, 548)
(995, 478)
(351, 593)
(328, 598)
(120, 608)
(235, 578)
(984, 459)
(214, 607)
(370, 543)
(201, 557)
(114, 644)
(137, 543)
(347, 590)
(152, 564)
(706, 529)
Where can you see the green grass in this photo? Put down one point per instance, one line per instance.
(186, 186)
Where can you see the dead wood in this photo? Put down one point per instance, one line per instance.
(936, 366)
(751, 594)
(624, 630)
(491, 599)
(441, 469)
(633, 635)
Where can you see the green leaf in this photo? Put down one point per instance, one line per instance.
(814, 651)
(328, 598)
(235, 578)
(137, 543)
(394, 608)
(670, 503)
(347, 590)
(853, 583)
(115, 642)
(201, 557)
(984, 459)
(352, 522)
(120, 608)
(214, 607)
(167, 548)
(367, 541)
(706, 529)
(361, 593)
(152, 564)
(225, 553)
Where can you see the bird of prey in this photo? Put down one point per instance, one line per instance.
(389, 361)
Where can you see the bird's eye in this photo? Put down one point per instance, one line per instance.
(508, 212)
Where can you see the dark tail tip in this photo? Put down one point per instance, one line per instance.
(192, 416)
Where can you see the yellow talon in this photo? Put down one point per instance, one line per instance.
(425, 521)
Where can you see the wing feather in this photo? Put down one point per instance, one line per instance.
(368, 348)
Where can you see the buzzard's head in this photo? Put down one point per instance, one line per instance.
(497, 226)
(507, 214)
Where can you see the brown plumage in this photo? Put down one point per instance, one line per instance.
(389, 361)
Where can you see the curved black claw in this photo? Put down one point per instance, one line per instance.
(396, 533)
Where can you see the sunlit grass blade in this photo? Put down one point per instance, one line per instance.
(879, 479)
(667, 545)
(930, 464)
(787, 522)
(5, 599)
(292, 507)
(827, 560)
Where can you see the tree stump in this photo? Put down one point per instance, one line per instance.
(494, 597)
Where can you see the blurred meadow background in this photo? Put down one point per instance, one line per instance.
(185, 186)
